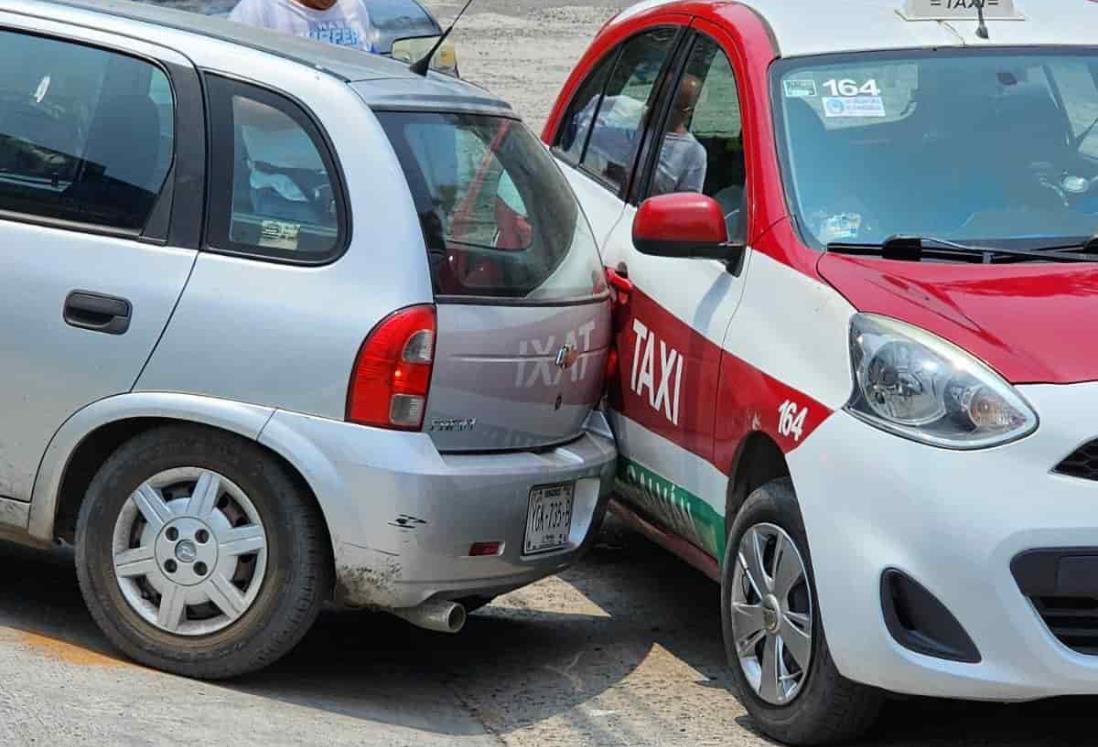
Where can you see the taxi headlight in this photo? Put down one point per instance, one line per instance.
(916, 385)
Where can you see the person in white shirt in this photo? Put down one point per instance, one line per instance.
(684, 161)
(342, 22)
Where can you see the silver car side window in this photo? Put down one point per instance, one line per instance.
(86, 135)
(277, 187)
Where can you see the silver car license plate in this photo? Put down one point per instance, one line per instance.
(549, 518)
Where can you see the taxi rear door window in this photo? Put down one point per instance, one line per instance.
(620, 117)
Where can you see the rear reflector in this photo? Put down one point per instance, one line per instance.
(481, 549)
(392, 374)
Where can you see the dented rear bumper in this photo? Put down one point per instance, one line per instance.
(402, 516)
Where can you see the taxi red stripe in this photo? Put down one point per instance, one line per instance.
(721, 398)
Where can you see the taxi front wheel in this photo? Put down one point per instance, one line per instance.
(772, 631)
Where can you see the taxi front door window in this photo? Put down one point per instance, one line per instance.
(702, 145)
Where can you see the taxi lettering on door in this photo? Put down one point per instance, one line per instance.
(656, 372)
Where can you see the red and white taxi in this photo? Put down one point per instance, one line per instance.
(854, 247)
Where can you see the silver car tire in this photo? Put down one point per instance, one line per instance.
(773, 636)
(198, 554)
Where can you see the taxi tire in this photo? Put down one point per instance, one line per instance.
(830, 709)
(298, 578)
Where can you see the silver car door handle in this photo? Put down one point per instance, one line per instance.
(98, 312)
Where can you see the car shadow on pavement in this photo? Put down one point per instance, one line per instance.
(41, 599)
(367, 666)
(627, 574)
(536, 656)
(378, 668)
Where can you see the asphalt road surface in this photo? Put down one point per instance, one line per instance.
(622, 650)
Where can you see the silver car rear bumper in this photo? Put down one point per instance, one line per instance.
(402, 516)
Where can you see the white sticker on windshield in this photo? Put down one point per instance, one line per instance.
(800, 89)
(841, 226)
(854, 106)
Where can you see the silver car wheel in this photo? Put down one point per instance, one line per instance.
(771, 609)
(190, 551)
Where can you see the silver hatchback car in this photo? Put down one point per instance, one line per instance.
(284, 323)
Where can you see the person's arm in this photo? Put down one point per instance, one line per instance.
(364, 16)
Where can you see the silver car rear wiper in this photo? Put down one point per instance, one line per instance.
(917, 248)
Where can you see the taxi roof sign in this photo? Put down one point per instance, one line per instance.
(959, 10)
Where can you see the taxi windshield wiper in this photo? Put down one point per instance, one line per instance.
(1088, 246)
(918, 248)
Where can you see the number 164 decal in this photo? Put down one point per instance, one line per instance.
(849, 87)
(791, 419)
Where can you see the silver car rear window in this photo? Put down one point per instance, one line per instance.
(498, 217)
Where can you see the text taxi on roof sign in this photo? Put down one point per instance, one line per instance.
(853, 245)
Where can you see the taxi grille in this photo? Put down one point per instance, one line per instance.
(1062, 585)
(1073, 620)
(1081, 463)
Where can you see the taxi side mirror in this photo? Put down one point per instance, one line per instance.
(684, 226)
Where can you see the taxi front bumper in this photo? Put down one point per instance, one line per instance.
(955, 522)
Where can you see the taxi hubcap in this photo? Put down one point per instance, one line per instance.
(771, 611)
(771, 614)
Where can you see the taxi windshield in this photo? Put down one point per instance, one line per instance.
(973, 146)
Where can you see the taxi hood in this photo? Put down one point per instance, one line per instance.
(1027, 321)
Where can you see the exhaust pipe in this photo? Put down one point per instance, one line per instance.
(438, 615)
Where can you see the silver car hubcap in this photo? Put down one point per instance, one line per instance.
(772, 614)
(190, 551)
